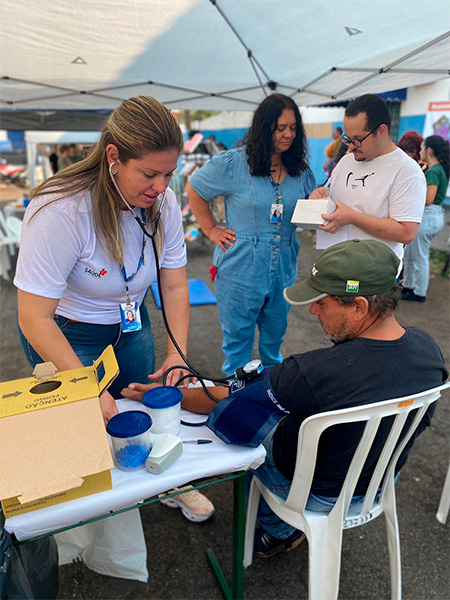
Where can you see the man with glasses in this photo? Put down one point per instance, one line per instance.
(378, 189)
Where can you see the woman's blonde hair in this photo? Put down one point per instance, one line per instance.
(138, 126)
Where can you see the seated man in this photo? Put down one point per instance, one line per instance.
(353, 292)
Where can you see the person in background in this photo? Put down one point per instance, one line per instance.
(379, 191)
(342, 151)
(411, 142)
(332, 150)
(254, 257)
(373, 358)
(416, 272)
(53, 158)
(74, 155)
(64, 160)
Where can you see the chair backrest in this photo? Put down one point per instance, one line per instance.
(3, 226)
(14, 226)
(312, 428)
(6, 236)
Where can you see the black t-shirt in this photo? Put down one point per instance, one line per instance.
(352, 373)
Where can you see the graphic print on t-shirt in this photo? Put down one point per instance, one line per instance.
(353, 183)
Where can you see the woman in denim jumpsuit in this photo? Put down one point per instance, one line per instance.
(255, 258)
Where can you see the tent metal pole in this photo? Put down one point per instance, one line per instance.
(418, 50)
(356, 84)
(250, 55)
(393, 70)
(390, 66)
(208, 95)
(150, 82)
(47, 85)
(306, 86)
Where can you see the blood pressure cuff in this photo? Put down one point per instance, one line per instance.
(249, 413)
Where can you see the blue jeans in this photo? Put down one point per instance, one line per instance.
(135, 351)
(279, 485)
(416, 268)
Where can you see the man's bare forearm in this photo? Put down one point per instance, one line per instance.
(197, 401)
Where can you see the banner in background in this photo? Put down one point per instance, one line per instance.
(437, 120)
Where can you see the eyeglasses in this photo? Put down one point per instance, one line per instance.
(355, 142)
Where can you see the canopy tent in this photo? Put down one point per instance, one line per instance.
(34, 138)
(69, 57)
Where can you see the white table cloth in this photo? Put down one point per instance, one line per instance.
(196, 462)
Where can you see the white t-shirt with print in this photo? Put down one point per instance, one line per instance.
(389, 186)
(60, 257)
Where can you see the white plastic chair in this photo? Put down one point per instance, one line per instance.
(324, 531)
(5, 263)
(14, 226)
(444, 503)
(8, 246)
(7, 238)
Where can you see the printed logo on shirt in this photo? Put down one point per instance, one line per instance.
(93, 273)
(352, 286)
(271, 395)
(362, 179)
(238, 385)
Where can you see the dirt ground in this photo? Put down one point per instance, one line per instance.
(176, 548)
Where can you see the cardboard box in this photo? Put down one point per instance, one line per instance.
(53, 442)
(308, 213)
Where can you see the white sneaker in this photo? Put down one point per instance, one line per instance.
(195, 506)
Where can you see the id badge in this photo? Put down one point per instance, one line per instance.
(130, 316)
(276, 213)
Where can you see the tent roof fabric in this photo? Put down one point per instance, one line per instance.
(212, 54)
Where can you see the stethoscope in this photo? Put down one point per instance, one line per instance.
(152, 236)
(141, 224)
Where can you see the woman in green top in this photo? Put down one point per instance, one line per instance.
(435, 152)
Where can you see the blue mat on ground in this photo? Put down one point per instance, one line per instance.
(199, 293)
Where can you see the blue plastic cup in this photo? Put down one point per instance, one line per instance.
(131, 439)
(163, 405)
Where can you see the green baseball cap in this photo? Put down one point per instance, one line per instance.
(353, 268)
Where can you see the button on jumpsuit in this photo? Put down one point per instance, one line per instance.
(253, 272)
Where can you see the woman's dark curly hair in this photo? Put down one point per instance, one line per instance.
(258, 139)
(440, 148)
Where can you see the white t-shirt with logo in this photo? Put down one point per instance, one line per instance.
(389, 186)
(60, 257)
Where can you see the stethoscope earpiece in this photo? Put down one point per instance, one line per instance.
(139, 221)
(111, 172)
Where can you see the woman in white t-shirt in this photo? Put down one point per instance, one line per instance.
(84, 261)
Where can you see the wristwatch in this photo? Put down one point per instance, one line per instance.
(250, 370)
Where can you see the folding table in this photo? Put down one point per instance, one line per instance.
(133, 490)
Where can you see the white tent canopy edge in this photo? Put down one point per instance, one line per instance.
(214, 54)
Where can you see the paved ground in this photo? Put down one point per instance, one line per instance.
(176, 547)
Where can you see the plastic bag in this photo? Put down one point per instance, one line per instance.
(113, 546)
(29, 571)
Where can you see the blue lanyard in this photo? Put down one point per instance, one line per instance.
(140, 263)
(277, 189)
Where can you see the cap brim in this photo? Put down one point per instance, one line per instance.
(302, 293)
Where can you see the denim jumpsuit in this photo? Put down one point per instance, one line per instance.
(253, 272)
